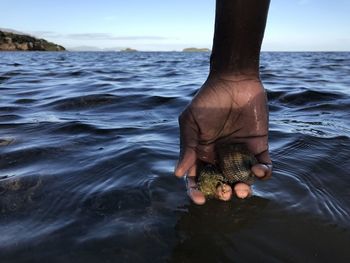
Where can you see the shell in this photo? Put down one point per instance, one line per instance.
(208, 180)
(235, 163)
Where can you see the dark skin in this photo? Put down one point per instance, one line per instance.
(231, 106)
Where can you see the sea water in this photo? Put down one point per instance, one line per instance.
(89, 141)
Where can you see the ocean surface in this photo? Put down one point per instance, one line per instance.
(88, 144)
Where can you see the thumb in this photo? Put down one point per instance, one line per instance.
(263, 170)
(186, 161)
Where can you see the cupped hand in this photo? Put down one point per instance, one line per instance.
(227, 109)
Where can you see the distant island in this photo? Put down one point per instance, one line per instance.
(194, 49)
(128, 50)
(10, 41)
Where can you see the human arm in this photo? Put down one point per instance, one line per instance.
(231, 106)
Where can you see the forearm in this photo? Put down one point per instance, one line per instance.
(239, 31)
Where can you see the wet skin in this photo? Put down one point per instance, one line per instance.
(241, 117)
(231, 106)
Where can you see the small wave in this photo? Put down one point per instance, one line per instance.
(110, 71)
(17, 158)
(25, 101)
(337, 105)
(9, 117)
(159, 100)
(76, 127)
(267, 76)
(160, 61)
(275, 95)
(97, 133)
(3, 79)
(118, 79)
(85, 102)
(308, 97)
(312, 177)
(169, 74)
(28, 92)
(76, 73)
(11, 109)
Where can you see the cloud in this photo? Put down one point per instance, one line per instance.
(92, 36)
(48, 34)
(104, 36)
(12, 31)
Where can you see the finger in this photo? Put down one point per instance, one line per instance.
(242, 190)
(187, 161)
(192, 190)
(263, 170)
(188, 143)
(260, 170)
(193, 171)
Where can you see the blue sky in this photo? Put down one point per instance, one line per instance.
(293, 25)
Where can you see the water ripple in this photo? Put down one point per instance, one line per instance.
(88, 142)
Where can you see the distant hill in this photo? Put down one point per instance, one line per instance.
(85, 48)
(128, 50)
(194, 49)
(10, 41)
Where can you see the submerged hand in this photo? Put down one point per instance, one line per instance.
(226, 109)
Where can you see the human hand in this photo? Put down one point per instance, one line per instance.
(227, 109)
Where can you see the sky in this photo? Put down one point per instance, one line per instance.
(165, 25)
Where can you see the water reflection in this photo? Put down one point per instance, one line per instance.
(206, 233)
